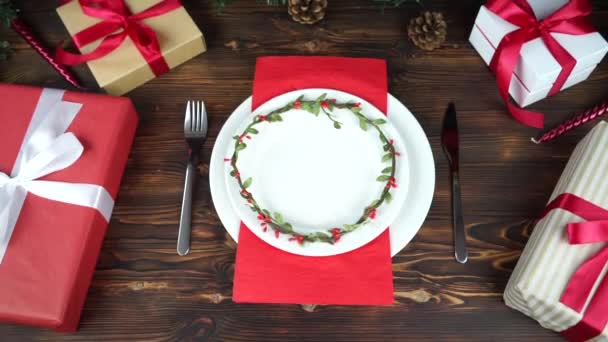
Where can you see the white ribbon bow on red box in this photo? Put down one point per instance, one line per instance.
(46, 149)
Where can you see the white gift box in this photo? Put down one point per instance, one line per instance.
(537, 69)
(549, 260)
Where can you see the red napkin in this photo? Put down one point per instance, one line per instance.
(265, 274)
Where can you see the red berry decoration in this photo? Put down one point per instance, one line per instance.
(372, 215)
(324, 104)
(297, 105)
(336, 234)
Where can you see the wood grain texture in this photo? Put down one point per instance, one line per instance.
(143, 291)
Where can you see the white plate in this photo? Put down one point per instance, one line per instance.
(318, 177)
(420, 160)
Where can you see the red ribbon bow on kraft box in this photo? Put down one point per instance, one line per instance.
(510, 56)
(126, 43)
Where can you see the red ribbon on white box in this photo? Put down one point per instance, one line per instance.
(46, 149)
(569, 19)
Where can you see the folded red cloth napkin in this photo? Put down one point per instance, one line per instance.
(265, 274)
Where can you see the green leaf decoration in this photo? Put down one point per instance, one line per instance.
(383, 138)
(275, 117)
(379, 122)
(279, 218)
(383, 178)
(363, 124)
(351, 227)
(316, 109)
(277, 222)
(319, 236)
(307, 107)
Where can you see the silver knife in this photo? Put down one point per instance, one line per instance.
(449, 141)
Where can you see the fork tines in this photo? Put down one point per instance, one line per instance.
(195, 124)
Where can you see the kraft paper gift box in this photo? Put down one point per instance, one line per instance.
(125, 68)
(48, 260)
(549, 260)
(537, 69)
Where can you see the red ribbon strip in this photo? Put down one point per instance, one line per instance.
(117, 24)
(569, 19)
(577, 292)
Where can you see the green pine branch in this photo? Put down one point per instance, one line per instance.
(395, 3)
(5, 50)
(221, 4)
(7, 14)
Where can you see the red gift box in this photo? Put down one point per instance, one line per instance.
(52, 252)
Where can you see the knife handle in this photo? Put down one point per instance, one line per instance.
(460, 244)
(185, 220)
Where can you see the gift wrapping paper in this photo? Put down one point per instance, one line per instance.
(125, 68)
(52, 252)
(537, 69)
(549, 260)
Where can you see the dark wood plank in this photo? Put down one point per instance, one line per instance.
(143, 291)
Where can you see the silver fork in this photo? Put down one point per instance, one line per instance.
(195, 132)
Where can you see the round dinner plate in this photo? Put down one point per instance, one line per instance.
(316, 176)
(419, 164)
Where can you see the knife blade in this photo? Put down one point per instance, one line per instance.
(450, 143)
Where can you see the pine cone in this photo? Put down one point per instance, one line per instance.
(307, 11)
(428, 31)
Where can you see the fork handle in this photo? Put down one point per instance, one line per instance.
(460, 244)
(185, 220)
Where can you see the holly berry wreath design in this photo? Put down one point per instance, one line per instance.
(325, 106)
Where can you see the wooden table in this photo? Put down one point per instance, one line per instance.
(142, 290)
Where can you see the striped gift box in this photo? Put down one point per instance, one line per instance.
(548, 260)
